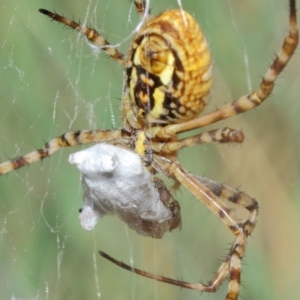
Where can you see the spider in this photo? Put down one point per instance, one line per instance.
(167, 81)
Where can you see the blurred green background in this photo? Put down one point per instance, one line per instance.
(51, 82)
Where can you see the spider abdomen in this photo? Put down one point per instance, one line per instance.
(169, 70)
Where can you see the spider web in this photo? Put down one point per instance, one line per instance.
(53, 82)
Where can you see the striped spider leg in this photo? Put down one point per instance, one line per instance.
(248, 101)
(210, 193)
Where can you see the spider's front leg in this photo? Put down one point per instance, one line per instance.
(210, 192)
(69, 139)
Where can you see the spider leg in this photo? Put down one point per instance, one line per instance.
(240, 230)
(140, 8)
(91, 34)
(234, 196)
(173, 205)
(208, 191)
(69, 139)
(222, 135)
(211, 287)
(245, 102)
(184, 284)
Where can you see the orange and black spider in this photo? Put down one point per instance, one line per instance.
(167, 80)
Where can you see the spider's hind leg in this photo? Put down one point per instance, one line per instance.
(141, 6)
(91, 34)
